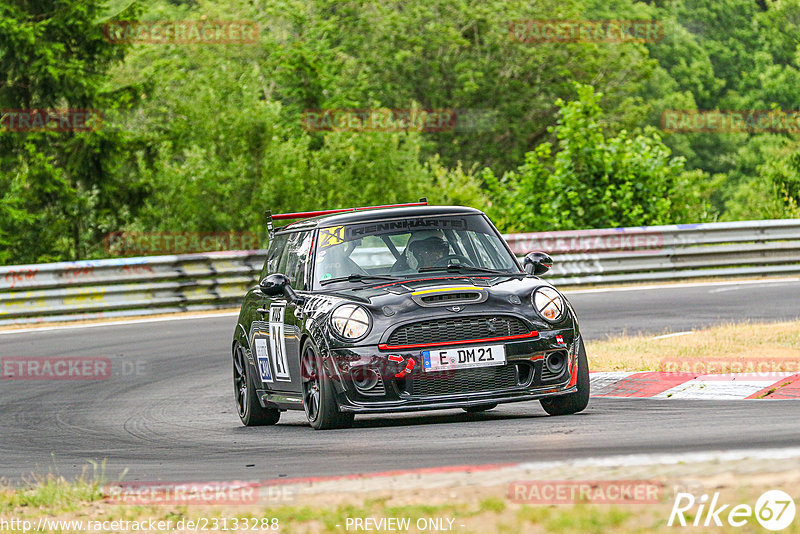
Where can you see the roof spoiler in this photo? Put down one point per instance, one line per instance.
(306, 214)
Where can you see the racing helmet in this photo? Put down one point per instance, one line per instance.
(425, 248)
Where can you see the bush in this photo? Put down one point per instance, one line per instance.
(594, 181)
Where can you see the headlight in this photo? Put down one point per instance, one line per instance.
(549, 304)
(350, 321)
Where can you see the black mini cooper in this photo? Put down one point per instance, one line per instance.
(402, 308)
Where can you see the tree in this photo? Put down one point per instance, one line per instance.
(594, 181)
(775, 194)
(451, 54)
(58, 189)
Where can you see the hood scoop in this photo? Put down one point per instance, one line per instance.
(449, 297)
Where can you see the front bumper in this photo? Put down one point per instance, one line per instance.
(522, 378)
(443, 403)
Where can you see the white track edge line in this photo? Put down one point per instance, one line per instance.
(679, 285)
(116, 323)
(629, 460)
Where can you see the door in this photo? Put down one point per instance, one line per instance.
(276, 341)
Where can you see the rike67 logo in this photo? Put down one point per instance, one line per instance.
(774, 510)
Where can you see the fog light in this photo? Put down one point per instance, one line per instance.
(556, 362)
(364, 379)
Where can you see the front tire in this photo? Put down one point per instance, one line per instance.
(319, 396)
(247, 405)
(574, 402)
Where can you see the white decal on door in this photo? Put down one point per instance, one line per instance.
(277, 342)
(262, 357)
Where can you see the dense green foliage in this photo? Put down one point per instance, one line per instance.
(205, 137)
(58, 188)
(594, 181)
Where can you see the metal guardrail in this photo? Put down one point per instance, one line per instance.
(192, 282)
(126, 286)
(673, 252)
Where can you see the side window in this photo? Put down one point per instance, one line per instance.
(277, 245)
(297, 258)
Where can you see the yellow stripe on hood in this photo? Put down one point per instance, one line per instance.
(440, 289)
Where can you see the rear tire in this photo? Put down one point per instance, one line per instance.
(574, 402)
(319, 395)
(480, 408)
(247, 405)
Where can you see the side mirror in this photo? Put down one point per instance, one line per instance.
(276, 285)
(537, 263)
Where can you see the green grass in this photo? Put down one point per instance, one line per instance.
(578, 518)
(478, 512)
(588, 519)
(492, 504)
(49, 495)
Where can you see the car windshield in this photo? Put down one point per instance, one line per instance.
(406, 247)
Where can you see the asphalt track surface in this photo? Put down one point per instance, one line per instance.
(167, 412)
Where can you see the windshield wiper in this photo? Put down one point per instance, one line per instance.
(452, 268)
(355, 277)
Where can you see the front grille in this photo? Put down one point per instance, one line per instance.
(462, 381)
(457, 329)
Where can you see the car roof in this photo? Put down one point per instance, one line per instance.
(377, 214)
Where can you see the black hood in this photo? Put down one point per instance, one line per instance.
(437, 296)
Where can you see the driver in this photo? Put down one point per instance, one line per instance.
(426, 248)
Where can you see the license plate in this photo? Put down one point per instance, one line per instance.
(446, 359)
